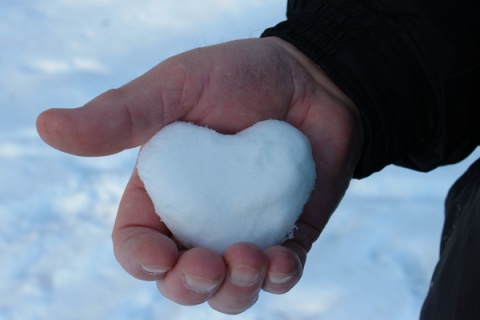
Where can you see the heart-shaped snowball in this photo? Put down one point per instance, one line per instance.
(212, 190)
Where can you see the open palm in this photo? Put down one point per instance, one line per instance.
(227, 87)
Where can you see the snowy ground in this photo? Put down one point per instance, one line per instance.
(374, 260)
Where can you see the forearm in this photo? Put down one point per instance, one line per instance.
(411, 80)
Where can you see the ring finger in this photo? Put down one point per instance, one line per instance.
(247, 268)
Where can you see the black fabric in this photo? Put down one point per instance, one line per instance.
(455, 289)
(412, 67)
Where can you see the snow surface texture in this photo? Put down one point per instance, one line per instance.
(213, 190)
(373, 261)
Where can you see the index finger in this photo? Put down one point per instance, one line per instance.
(142, 243)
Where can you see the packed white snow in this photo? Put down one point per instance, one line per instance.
(213, 190)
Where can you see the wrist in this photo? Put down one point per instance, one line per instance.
(336, 96)
(315, 71)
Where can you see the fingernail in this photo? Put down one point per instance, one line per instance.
(199, 284)
(153, 271)
(280, 278)
(243, 276)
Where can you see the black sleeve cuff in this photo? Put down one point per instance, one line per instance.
(374, 60)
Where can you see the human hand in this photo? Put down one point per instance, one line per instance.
(227, 87)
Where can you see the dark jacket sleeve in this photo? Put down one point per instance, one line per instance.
(412, 68)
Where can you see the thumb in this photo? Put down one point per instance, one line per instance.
(118, 119)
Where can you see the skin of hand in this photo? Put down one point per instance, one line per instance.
(227, 87)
